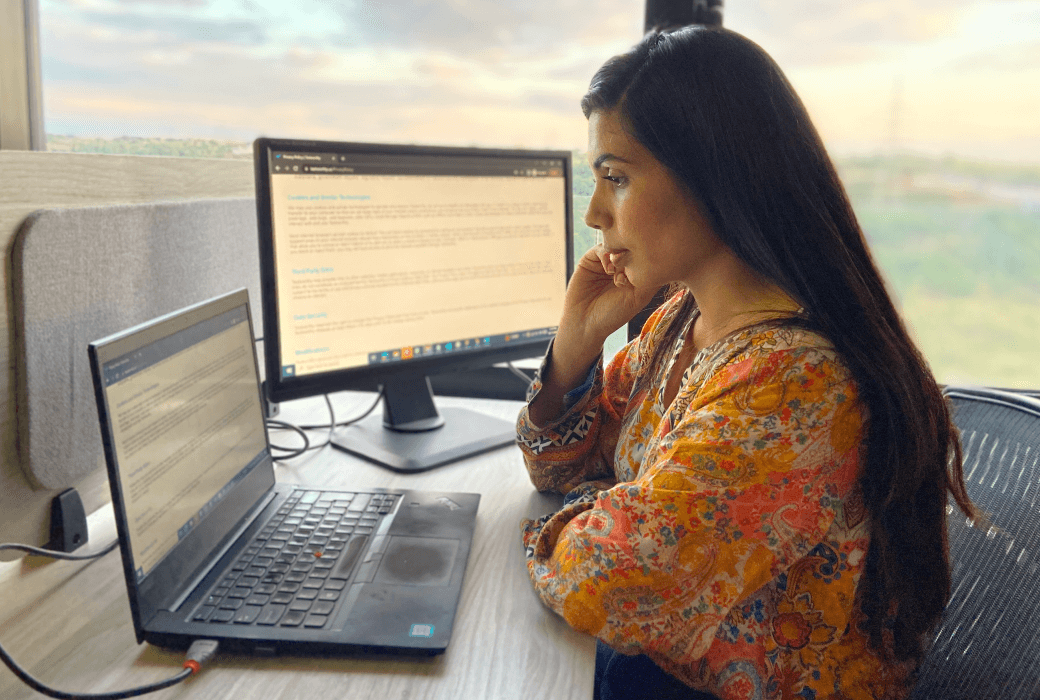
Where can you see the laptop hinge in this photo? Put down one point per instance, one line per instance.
(235, 536)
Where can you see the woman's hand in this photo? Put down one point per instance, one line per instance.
(599, 300)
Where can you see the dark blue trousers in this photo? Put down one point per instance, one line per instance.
(621, 677)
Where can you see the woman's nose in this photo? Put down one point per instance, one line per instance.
(595, 216)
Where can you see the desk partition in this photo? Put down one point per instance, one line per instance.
(80, 274)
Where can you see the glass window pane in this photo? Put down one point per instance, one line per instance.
(127, 76)
(929, 109)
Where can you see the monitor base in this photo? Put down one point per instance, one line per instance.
(465, 433)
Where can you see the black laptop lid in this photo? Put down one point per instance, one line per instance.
(187, 453)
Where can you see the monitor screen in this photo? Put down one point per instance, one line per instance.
(383, 264)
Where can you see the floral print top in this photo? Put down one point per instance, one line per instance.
(723, 535)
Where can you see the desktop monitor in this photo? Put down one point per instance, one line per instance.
(384, 264)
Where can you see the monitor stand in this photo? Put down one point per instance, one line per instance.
(413, 436)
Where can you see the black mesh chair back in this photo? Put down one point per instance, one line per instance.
(988, 644)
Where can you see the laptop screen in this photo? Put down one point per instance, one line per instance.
(186, 426)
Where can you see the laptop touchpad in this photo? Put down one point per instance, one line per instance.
(418, 561)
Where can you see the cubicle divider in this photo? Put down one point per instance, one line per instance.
(79, 274)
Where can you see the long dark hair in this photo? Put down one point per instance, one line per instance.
(717, 111)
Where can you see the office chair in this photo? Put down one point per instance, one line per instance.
(988, 643)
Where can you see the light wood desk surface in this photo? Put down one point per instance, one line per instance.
(68, 623)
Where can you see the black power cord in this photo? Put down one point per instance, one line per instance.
(43, 552)
(520, 374)
(199, 652)
(331, 426)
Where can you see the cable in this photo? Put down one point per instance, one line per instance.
(59, 555)
(297, 451)
(293, 451)
(116, 695)
(331, 426)
(379, 397)
(527, 379)
(200, 652)
(332, 420)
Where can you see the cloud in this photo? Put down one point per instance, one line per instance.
(404, 115)
(156, 3)
(823, 32)
(177, 30)
(226, 59)
(999, 60)
(492, 31)
(165, 3)
(503, 72)
(365, 94)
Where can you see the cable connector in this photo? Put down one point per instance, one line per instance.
(200, 651)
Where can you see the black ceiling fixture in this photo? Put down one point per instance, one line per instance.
(668, 14)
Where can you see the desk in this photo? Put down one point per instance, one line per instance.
(68, 623)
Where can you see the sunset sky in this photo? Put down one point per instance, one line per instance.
(939, 76)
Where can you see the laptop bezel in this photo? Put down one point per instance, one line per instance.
(202, 547)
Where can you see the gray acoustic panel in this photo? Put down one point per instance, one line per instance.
(81, 274)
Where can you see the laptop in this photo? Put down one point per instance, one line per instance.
(214, 548)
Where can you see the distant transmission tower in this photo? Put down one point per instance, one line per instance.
(887, 185)
(895, 184)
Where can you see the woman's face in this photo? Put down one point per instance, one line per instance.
(652, 226)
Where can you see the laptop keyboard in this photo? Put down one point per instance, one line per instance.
(294, 573)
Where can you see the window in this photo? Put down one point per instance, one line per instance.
(457, 73)
(928, 108)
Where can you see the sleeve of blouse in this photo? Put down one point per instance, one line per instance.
(744, 485)
(579, 446)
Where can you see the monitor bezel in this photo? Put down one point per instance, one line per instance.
(369, 377)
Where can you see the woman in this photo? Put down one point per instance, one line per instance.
(757, 484)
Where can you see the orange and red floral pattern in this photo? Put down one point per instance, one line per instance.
(724, 535)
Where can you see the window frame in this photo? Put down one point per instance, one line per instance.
(21, 87)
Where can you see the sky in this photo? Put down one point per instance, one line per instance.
(956, 77)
